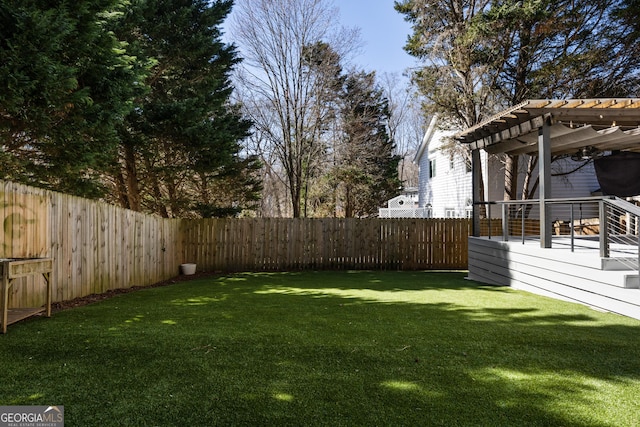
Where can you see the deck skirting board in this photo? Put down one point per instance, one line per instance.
(555, 274)
(588, 277)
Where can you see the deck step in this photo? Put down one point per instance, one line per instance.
(619, 264)
(632, 281)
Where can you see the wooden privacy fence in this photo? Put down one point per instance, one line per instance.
(329, 243)
(96, 247)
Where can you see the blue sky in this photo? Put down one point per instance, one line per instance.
(383, 31)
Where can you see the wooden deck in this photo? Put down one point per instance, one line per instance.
(580, 276)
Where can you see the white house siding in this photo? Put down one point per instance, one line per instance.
(424, 184)
(581, 183)
(449, 193)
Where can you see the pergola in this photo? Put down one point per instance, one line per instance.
(549, 128)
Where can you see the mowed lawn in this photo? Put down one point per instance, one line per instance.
(328, 349)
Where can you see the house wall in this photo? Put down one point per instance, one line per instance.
(580, 183)
(449, 190)
(447, 186)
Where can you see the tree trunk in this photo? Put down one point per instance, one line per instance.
(159, 207)
(348, 204)
(121, 188)
(294, 190)
(132, 184)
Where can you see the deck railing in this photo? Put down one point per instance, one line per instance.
(607, 224)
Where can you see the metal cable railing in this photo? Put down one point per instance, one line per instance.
(621, 233)
(609, 225)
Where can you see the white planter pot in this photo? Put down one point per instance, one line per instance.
(188, 269)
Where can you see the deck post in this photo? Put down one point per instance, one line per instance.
(604, 231)
(522, 217)
(638, 264)
(573, 232)
(505, 223)
(544, 162)
(476, 175)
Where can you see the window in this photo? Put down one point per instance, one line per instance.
(432, 168)
(467, 163)
(449, 213)
(468, 210)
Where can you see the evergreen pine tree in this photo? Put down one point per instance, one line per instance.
(367, 171)
(66, 82)
(180, 146)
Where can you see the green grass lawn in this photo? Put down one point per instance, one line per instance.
(330, 349)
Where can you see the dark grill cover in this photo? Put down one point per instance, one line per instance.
(619, 174)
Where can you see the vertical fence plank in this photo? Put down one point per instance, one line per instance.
(97, 247)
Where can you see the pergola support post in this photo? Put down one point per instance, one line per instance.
(476, 175)
(544, 162)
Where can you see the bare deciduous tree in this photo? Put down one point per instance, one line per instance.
(273, 37)
(407, 124)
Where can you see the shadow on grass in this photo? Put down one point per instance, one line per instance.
(326, 348)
